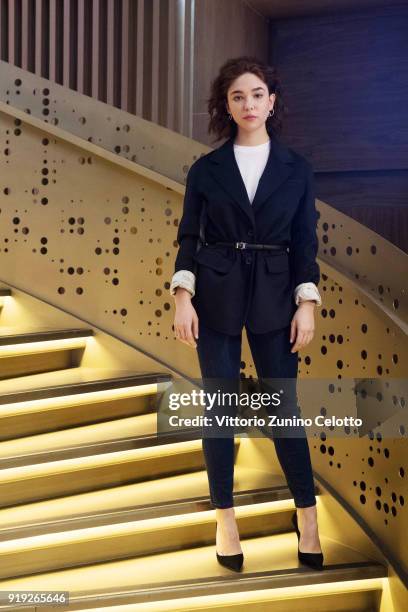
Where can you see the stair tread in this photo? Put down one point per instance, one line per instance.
(218, 594)
(35, 334)
(138, 425)
(69, 380)
(128, 528)
(158, 491)
(272, 553)
(64, 466)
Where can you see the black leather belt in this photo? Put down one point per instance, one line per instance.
(249, 245)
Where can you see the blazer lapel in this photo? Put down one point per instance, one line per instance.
(278, 168)
(225, 170)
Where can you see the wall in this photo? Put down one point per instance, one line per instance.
(222, 30)
(132, 54)
(345, 78)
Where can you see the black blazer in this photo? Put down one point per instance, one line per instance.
(241, 287)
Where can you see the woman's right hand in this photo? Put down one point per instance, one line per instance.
(186, 319)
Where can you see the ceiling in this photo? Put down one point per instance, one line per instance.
(297, 8)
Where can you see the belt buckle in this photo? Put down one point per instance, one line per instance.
(240, 245)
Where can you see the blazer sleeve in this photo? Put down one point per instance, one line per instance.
(304, 243)
(189, 226)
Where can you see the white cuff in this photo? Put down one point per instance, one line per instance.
(307, 291)
(184, 279)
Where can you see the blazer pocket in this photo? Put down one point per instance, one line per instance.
(213, 259)
(277, 263)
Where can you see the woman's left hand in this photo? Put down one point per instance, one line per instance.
(302, 325)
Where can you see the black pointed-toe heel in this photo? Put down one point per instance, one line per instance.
(232, 562)
(313, 560)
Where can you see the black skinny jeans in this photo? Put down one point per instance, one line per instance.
(220, 358)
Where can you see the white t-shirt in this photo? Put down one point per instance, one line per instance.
(251, 162)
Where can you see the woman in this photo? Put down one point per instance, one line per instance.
(250, 206)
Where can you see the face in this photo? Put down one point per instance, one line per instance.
(249, 102)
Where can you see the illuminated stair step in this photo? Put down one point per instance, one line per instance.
(46, 423)
(60, 444)
(10, 336)
(159, 497)
(338, 594)
(192, 505)
(135, 538)
(72, 381)
(19, 365)
(69, 476)
(98, 448)
(29, 352)
(174, 573)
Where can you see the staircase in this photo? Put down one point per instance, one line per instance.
(93, 502)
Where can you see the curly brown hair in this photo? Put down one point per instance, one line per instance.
(229, 71)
